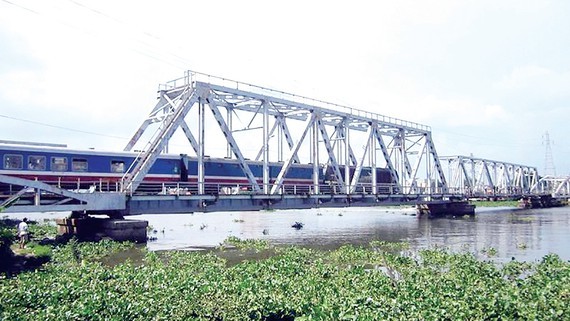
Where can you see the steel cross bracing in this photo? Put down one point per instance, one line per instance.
(284, 129)
(37, 196)
(480, 177)
(557, 186)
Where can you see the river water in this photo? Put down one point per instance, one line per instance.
(526, 235)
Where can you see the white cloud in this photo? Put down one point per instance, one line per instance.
(100, 61)
(532, 80)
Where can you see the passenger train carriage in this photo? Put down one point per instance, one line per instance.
(72, 169)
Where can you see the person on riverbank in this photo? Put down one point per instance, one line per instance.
(23, 233)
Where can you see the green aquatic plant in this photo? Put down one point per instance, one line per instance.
(244, 244)
(349, 283)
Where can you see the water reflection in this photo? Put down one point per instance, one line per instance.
(523, 234)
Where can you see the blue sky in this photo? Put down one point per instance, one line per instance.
(489, 77)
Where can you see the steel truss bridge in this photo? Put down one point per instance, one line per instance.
(253, 124)
(478, 177)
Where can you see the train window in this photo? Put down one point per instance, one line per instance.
(79, 165)
(117, 166)
(13, 161)
(59, 164)
(37, 163)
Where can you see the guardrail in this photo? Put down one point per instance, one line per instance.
(193, 76)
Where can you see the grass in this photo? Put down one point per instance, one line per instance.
(502, 203)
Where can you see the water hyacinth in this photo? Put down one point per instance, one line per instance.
(379, 282)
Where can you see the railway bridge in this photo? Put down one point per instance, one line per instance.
(350, 157)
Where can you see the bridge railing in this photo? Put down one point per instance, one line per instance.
(192, 76)
(220, 189)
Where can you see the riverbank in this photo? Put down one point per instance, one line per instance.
(380, 281)
(501, 203)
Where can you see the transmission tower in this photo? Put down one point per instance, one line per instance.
(549, 168)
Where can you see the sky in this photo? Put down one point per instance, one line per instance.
(491, 78)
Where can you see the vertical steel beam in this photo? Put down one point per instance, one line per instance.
(315, 156)
(201, 146)
(346, 134)
(230, 118)
(279, 141)
(261, 150)
(372, 153)
(428, 171)
(265, 147)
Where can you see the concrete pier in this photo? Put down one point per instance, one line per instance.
(445, 209)
(540, 201)
(90, 228)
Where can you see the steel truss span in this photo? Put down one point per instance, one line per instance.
(478, 177)
(272, 129)
(558, 186)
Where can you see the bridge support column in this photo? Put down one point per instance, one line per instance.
(445, 209)
(94, 229)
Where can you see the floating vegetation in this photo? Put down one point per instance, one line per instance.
(490, 252)
(247, 244)
(350, 283)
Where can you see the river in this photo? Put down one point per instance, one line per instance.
(526, 235)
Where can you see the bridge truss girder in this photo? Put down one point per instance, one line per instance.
(480, 177)
(409, 154)
(557, 186)
(57, 199)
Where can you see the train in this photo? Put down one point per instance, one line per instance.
(74, 168)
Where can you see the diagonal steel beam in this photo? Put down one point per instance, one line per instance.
(234, 146)
(358, 169)
(393, 173)
(189, 136)
(139, 168)
(417, 166)
(292, 153)
(330, 151)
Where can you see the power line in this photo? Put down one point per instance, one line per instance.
(60, 127)
(152, 51)
(21, 7)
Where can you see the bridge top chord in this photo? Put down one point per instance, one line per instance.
(193, 76)
(478, 159)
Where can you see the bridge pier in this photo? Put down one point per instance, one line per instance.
(445, 209)
(540, 201)
(93, 229)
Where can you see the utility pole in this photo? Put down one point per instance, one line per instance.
(549, 168)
